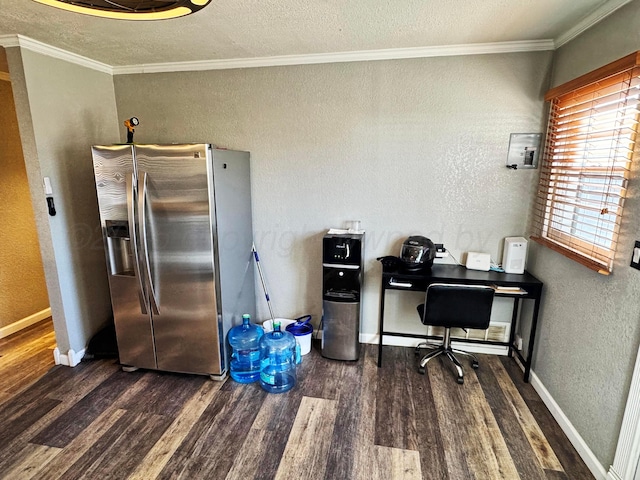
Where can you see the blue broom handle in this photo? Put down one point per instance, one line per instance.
(264, 286)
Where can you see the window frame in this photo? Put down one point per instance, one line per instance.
(562, 168)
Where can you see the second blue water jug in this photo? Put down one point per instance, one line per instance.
(278, 364)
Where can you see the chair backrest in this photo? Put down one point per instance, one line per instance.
(454, 305)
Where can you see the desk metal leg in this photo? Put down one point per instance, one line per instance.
(532, 336)
(381, 324)
(514, 319)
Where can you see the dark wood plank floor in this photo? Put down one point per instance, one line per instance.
(32, 347)
(344, 420)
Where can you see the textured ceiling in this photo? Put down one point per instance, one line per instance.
(235, 29)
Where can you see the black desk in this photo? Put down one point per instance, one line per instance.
(393, 279)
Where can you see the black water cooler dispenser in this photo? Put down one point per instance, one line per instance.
(342, 262)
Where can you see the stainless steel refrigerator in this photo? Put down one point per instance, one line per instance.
(177, 227)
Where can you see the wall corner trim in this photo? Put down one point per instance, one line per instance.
(71, 359)
(606, 9)
(55, 52)
(627, 456)
(8, 41)
(612, 475)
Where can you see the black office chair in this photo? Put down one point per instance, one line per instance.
(454, 306)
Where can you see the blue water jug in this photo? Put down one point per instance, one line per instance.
(245, 351)
(278, 360)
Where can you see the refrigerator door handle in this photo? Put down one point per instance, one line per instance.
(133, 239)
(142, 204)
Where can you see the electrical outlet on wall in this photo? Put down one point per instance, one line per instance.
(441, 252)
(518, 342)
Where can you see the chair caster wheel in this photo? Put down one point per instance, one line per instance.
(475, 365)
(460, 380)
(421, 371)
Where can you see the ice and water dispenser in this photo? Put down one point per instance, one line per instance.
(119, 247)
(342, 272)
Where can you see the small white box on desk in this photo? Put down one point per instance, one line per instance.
(478, 261)
(514, 255)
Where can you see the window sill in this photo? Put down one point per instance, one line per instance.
(576, 257)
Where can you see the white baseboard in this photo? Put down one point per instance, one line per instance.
(71, 359)
(576, 440)
(613, 475)
(25, 322)
(412, 342)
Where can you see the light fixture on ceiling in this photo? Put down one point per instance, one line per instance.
(130, 9)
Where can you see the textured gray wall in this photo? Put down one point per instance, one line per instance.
(590, 328)
(62, 110)
(407, 147)
(411, 146)
(23, 291)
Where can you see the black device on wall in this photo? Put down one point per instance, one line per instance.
(342, 261)
(51, 206)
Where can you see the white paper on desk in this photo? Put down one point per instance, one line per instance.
(510, 290)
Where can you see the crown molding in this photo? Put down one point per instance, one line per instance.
(55, 52)
(9, 41)
(599, 14)
(283, 60)
(606, 9)
(358, 56)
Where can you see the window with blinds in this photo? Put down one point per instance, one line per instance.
(588, 151)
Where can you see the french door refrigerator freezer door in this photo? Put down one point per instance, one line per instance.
(177, 220)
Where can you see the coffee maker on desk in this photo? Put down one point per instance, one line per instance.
(416, 255)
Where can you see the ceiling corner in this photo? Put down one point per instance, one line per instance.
(55, 52)
(7, 41)
(590, 20)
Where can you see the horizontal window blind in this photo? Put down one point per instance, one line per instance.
(588, 151)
